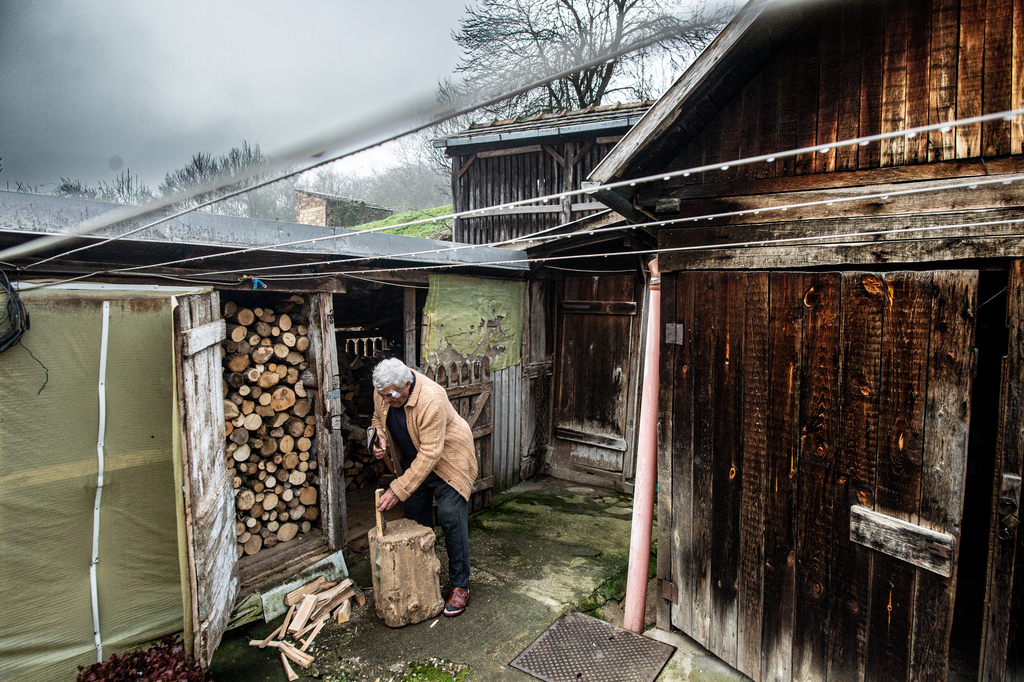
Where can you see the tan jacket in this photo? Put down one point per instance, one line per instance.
(443, 440)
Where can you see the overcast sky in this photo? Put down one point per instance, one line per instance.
(90, 88)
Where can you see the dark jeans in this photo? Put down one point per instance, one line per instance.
(452, 516)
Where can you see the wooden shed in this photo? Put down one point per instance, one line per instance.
(841, 438)
(521, 158)
(216, 343)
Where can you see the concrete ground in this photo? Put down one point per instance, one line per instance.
(542, 548)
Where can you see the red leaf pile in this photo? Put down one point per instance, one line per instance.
(164, 662)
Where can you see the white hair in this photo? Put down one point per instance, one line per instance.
(391, 372)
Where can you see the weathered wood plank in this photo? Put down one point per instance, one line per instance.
(705, 379)
(894, 82)
(830, 83)
(873, 22)
(198, 338)
(897, 493)
(496, 153)
(863, 299)
(903, 540)
(683, 445)
(944, 469)
(750, 591)
(819, 420)
(848, 126)
(945, 36)
(786, 329)
(789, 96)
(997, 70)
(668, 541)
(970, 76)
(323, 356)
(919, 16)
(1017, 78)
(209, 496)
(727, 464)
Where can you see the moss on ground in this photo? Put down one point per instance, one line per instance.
(435, 229)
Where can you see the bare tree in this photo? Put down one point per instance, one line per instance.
(125, 189)
(509, 43)
(75, 189)
(273, 202)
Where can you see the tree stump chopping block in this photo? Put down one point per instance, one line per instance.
(406, 573)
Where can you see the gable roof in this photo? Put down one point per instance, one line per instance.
(610, 119)
(718, 74)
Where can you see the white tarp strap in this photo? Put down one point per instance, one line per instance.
(99, 482)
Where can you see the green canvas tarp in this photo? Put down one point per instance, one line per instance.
(49, 429)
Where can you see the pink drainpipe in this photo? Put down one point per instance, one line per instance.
(646, 465)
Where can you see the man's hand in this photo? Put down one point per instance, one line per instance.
(387, 500)
(380, 446)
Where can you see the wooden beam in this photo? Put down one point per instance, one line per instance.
(510, 151)
(583, 150)
(195, 340)
(554, 155)
(465, 166)
(517, 210)
(601, 441)
(927, 549)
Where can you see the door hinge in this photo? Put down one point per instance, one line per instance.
(669, 591)
(674, 334)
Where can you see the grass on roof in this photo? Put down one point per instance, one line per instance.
(425, 229)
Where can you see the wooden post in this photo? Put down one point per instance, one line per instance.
(410, 328)
(330, 445)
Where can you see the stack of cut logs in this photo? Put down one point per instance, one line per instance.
(362, 469)
(270, 426)
(309, 609)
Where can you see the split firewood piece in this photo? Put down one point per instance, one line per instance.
(296, 595)
(237, 333)
(238, 363)
(230, 308)
(327, 594)
(245, 317)
(302, 408)
(312, 636)
(252, 422)
(303, 659)
(230, 410)
(301, 344)
(289, 673)
(344, 612)
(325, 609)
(310, 626)
(287, 532)
(261, 354)
(284, 322)
(302, 614)
(292, 357)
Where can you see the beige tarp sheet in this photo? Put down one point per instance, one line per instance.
(48, 466)
(469, 317)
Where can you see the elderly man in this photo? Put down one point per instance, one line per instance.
(435, 447)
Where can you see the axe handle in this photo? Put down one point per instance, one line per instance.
(382, 524)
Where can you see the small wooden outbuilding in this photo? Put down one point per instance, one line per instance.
(143, 463)
(842, 361)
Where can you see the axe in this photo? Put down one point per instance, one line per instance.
(371, 438)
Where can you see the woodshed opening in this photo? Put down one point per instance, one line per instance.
(969, 606)
(272, 450)
(372, 321)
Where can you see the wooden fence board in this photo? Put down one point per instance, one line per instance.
(863, 300)
(683, 453)
(786, 328)
(819, 427)
(750, 593)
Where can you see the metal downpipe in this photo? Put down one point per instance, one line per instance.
(646, 466)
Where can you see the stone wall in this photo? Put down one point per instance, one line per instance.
(312, 208)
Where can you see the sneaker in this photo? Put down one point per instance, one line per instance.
(457, 602)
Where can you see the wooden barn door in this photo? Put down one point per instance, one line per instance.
(595, 374)
(207, 485)
(815, 456)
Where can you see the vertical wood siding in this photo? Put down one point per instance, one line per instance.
(862, 67)
(495, 180)
(792, 397)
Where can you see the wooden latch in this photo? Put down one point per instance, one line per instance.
(674, 334)
(669, 591)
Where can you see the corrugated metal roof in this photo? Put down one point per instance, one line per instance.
(610, 118)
